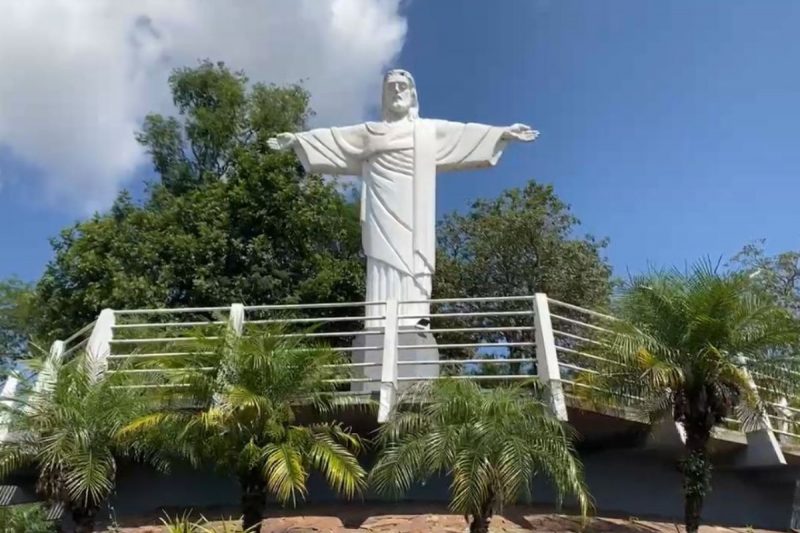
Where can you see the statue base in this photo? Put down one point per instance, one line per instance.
(421, 347)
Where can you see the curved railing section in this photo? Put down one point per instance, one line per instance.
(386, 348)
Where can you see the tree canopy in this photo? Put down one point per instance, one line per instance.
(517, 244)
(16, 310)
(520, 243)
(224, 218)
(778, 275)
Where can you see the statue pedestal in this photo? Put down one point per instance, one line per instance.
(406, 337)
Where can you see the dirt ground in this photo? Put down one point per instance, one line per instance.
(352, 518)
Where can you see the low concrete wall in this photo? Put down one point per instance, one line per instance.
(642, 485)
(625, 481)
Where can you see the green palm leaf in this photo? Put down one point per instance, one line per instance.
(69, 427)
(491, 442)
(694, 346)
(250, 418)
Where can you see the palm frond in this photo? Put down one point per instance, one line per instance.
(284, 472)
(684, 335)
(14, 456)
(263, 385)
(91, 477)
(491, 442)
(331, 452)
(67, 427)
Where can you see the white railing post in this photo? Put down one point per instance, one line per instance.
(49, 373)
(7, 398)
(785, 414)
(388, 394)
(233, 332)
(236, 321)
(98, 348)
(763, 448)
(56, 351)
(47, 376)
(547, 357)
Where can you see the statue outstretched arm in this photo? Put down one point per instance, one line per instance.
(463, 146)
(282, 141)
(336, 151)
(519, 132)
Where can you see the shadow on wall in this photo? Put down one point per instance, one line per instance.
(624, 483)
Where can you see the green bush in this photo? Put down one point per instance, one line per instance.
(25, 519)
(184, 524)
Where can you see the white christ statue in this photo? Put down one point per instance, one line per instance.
(397, 160)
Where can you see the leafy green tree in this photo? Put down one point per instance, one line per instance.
(224, 220)
(261, 417)
(25, 519)
(686, 348)
(778, 275)
(520, 243)
(65, 426)
(491, 443)
(517, 244)
(15, 319)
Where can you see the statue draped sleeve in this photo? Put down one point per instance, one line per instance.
(463, 146)
(338, 151)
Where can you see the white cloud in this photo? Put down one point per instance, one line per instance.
(77, 76)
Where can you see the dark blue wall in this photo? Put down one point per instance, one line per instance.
(631, 482)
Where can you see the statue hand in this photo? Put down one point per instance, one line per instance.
(282, 141)
(520, 132)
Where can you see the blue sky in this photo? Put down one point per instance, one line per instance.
(670, 127)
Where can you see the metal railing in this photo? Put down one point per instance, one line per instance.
(783, 414)
(575, 331)
(490, 339)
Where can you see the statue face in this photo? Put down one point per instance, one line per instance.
(398, 95)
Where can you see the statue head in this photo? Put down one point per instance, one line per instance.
(399, 95)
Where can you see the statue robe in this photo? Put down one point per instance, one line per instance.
(397, 163)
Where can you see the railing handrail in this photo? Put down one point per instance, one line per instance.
(168, 310)
(469, 300)
(324, 305)
(331, 305)
(88, 327)
(550, 343)
(584, 310)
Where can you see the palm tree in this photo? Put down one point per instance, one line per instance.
(246, 401)
(491, 442)
(65, 426)
(688, 346)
